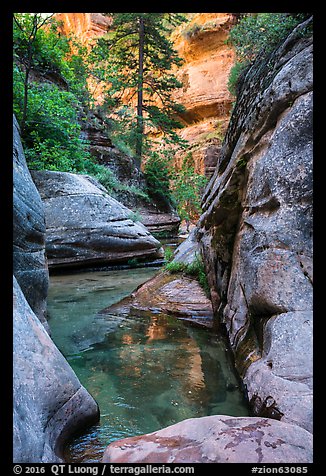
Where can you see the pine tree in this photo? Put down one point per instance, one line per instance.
(137, 60)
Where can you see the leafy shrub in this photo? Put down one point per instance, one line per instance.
(157, 172)
(258, 33)
(187, 189)
(168, 255)
(135, 216)
(195, 269)
(191, 30)
(234, 76)
(52, 134)
(104, 175)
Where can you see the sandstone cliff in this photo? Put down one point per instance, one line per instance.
(85, 26)
(256, 232)
(208, 60)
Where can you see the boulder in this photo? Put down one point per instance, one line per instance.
(49, 401)
(216, 439)
(256, 232)
(85, 226)
(188, 250)
(29, 260)
(160, 219)
(173, 294)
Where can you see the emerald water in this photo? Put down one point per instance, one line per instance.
(144, 372)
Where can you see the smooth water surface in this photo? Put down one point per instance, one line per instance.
(145, 372)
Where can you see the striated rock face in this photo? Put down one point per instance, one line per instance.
(85, 226)
(256, 232)
(207, 65)
(84, 25)
(49, 401)
(216, 439)
(205, 95)
(29, 261)
(160, 219)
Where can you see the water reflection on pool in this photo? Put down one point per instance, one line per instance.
(145, 372)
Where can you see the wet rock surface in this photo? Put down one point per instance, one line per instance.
(216, 439)
(85, 226)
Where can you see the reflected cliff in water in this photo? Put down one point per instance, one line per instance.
(145, 372)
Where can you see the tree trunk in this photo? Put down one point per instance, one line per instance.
(24, 114)
(140, 124)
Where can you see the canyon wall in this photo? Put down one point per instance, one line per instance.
(256, 232)
(49, 401)
(255, 236)
(86, 26)
(205, 95)
(207, 62)
(29, 259)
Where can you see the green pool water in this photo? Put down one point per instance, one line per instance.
(144, 372)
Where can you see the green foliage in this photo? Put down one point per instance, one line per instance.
(50, 52)
(195, 269)
(158, 173)
(47, 50)
(135, 216)
(187, 187)
(117, 65)
(132, 189)
(168, 255)
(104, 175)
(52, 133)
(133, 262)
(258, 33)
(234, 76)
(50, 114)
(191, 30)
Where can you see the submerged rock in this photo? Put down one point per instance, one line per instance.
(85, 226)
(29, 261)
(216, 439)
(49, 401)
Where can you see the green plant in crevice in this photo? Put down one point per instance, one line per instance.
(168, 255)
(135, 216)
(258, 33)
(195, 269)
